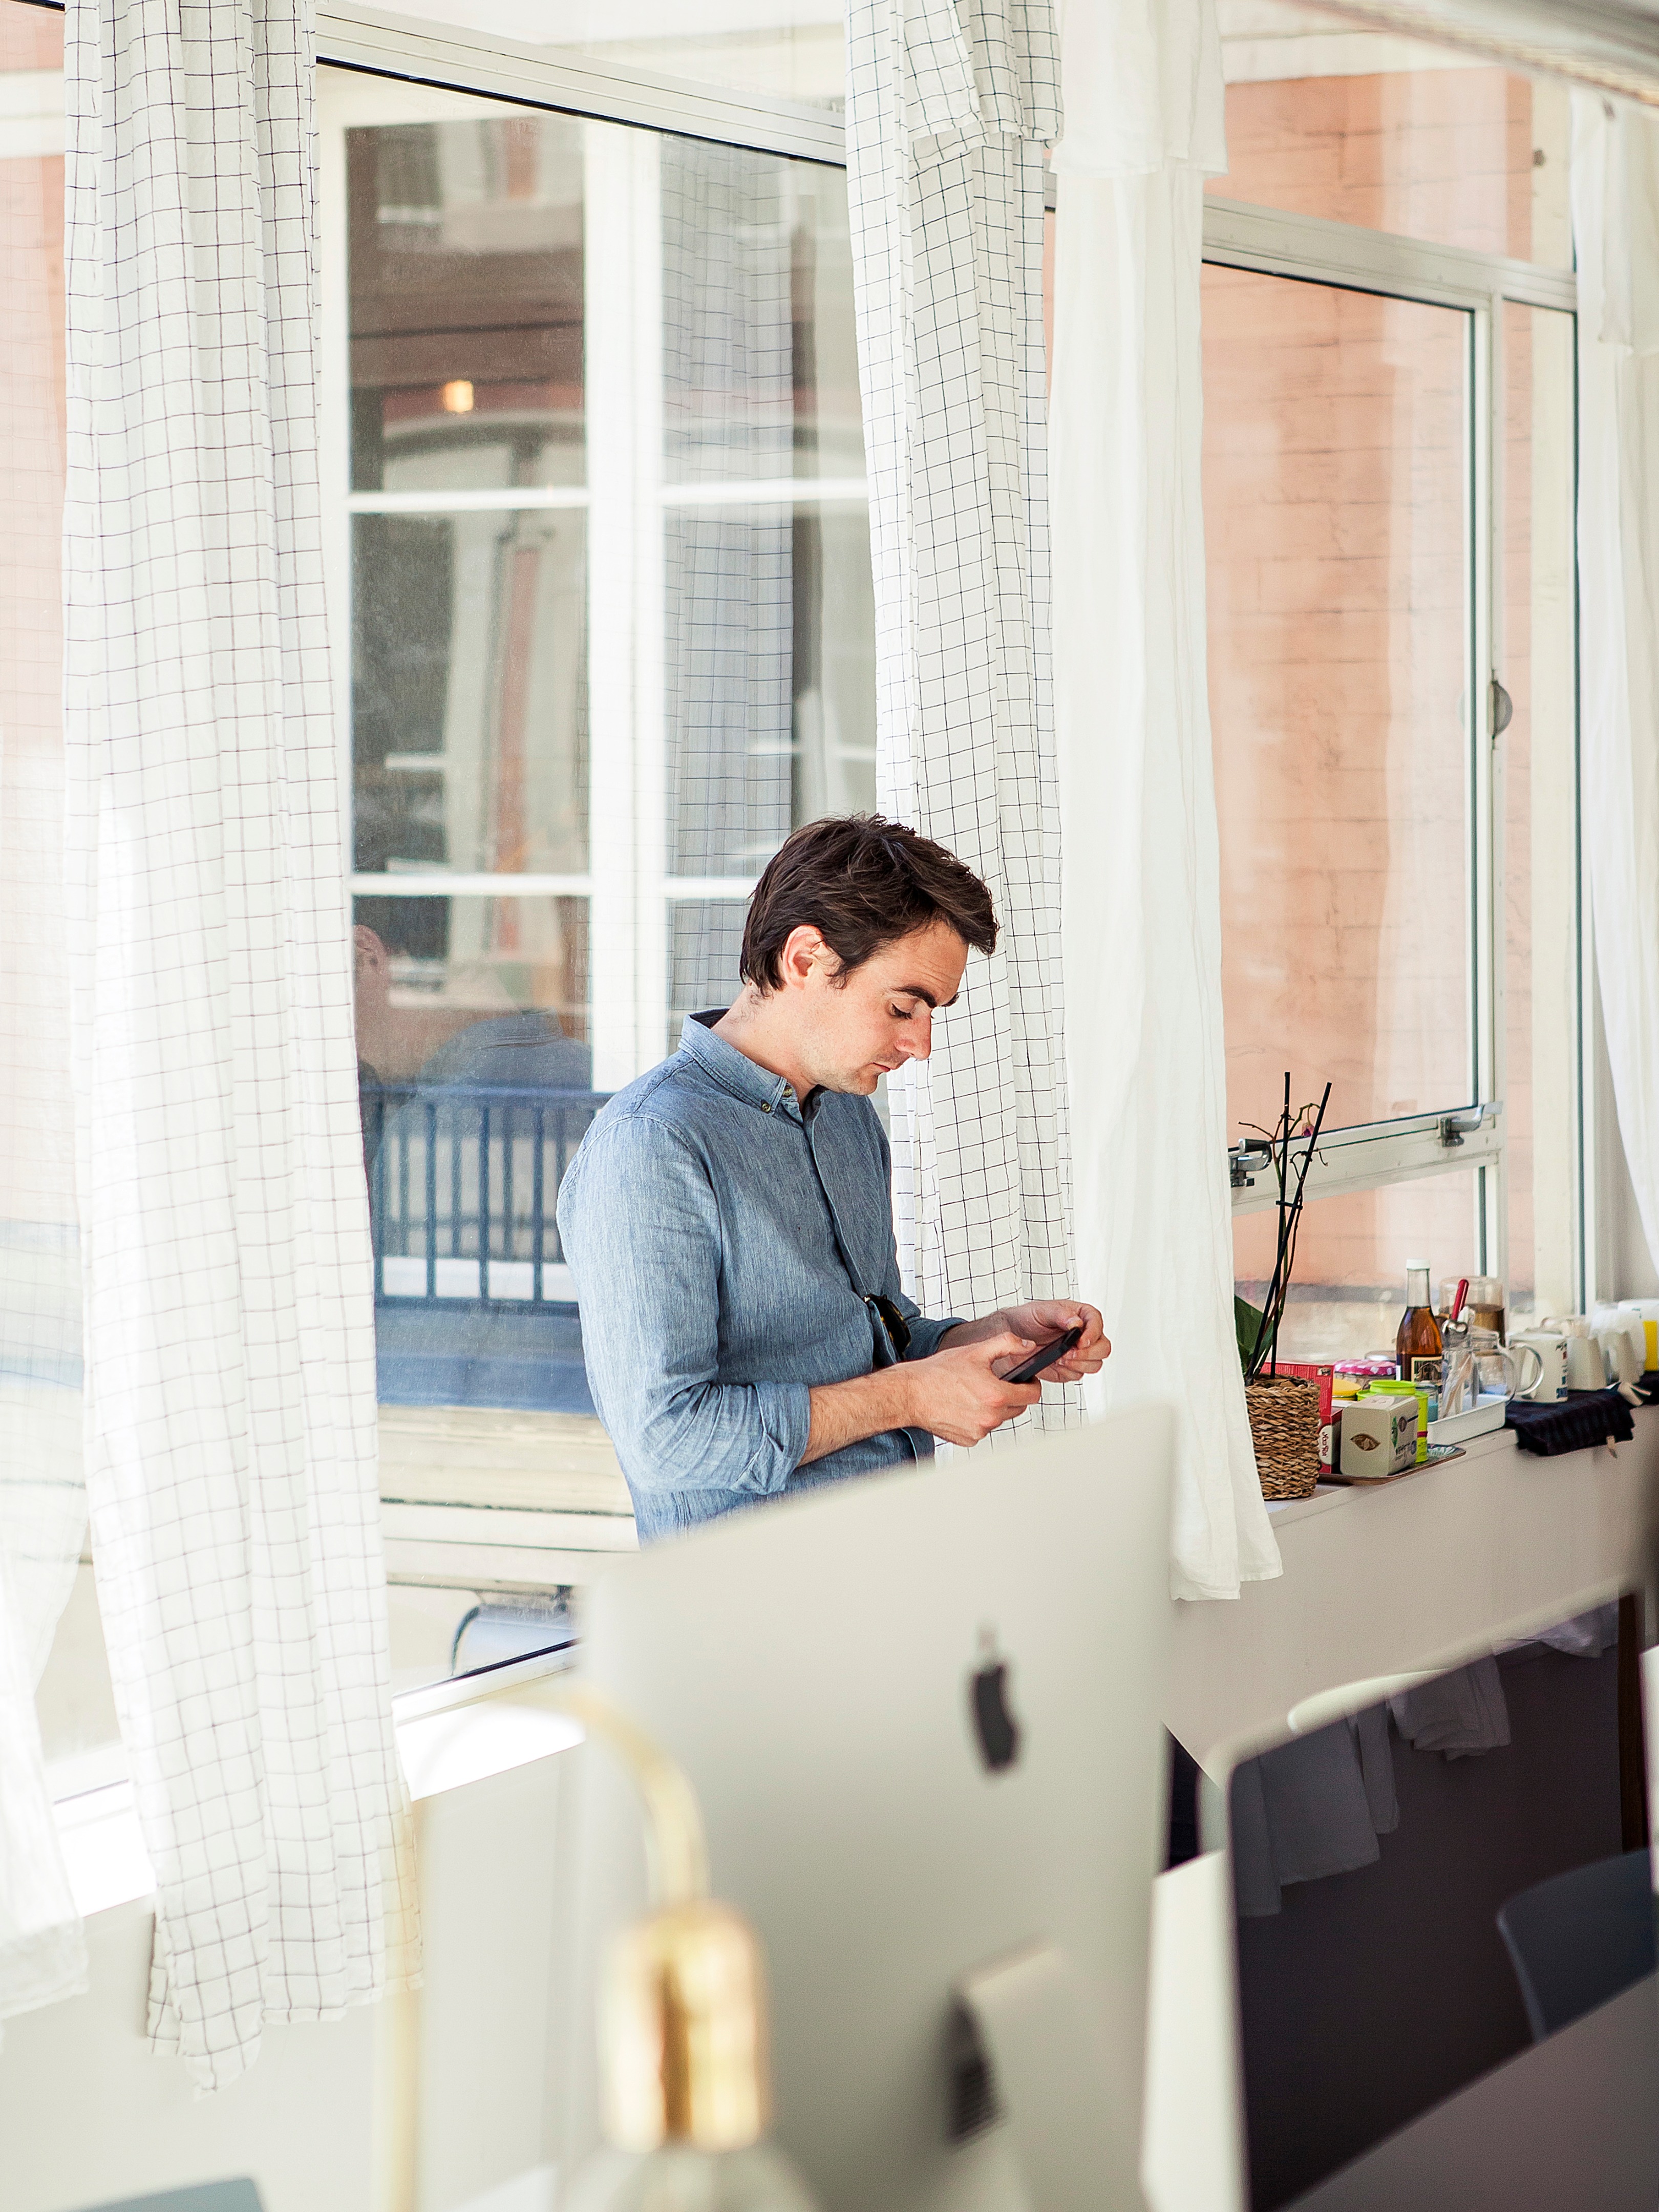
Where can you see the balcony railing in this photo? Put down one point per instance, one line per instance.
(463, 1181)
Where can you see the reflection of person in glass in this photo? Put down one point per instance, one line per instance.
(435, 1043)
(408, 1052)
(729, 1218)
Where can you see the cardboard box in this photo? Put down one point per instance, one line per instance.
(1313, 1370)
(1379, 1439)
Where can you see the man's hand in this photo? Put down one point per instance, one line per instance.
(960, 1393)
(1042, 1321)
(957, 1394)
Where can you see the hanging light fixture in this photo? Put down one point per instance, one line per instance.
(683, 2028)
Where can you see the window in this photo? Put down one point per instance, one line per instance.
(1388, 485)
(602, 520)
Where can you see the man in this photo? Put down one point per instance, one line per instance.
(728, 1217)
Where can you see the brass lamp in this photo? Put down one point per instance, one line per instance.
(682, 2033)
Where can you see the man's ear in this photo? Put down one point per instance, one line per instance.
(803, 949)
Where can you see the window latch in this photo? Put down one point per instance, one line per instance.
(1246, 1162)
(1500, 708)
(1453, 1128)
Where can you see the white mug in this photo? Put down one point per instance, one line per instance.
(1550, 1348)
(1627, 1359)
(1587, 1366)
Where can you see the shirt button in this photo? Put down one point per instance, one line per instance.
(767, 1108)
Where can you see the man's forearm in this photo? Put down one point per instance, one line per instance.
(974, 1332)
(866, 1406)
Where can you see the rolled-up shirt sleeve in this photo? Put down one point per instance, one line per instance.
(641, 1233)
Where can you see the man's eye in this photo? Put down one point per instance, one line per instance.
(901, 1013)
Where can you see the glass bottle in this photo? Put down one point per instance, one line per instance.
(1419, 1334)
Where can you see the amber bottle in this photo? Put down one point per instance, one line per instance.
(1419, 1334)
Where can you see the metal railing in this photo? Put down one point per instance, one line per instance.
(463, 1180)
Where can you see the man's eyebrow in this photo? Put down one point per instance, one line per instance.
(918, 991)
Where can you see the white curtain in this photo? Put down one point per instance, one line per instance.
(1142, 84)
(1616, 221)
(230, 1389)
(948, 111)
(42, 1504)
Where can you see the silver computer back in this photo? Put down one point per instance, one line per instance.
(823, 1667)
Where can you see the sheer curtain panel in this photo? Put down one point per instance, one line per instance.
(1143, 90)
(948, 112)
(1615, 222)
(230, 1387)
(42, 1503)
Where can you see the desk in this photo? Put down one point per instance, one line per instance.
(1414, 1572)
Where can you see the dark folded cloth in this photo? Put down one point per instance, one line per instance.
(1571, 1424)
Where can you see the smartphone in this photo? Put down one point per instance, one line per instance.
(1044, 1356)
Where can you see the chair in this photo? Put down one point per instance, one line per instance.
(1579, 1938)
(206, 2196)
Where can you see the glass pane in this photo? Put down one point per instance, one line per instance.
(1327, 118)
(473, 1075)
(466, 303)
(769, 661)
(470, 692)
(1536, 759)
(1348, 1290)
(760, 360)
(1335, 437)
(469, 990)
(705, 938)
(802, 60)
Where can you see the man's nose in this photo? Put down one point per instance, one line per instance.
(917, 1042)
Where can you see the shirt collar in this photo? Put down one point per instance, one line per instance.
(733, 1070)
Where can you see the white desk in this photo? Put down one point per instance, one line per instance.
(1378, 1581)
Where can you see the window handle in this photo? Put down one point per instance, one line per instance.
(1453, 1128)
(1501, 708)
(1246, 1162)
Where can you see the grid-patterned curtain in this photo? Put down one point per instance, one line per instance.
(728, 419)
(948, 111)
(42, 1504)
(230, 1383)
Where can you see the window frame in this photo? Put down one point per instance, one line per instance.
(1463, 1134)
(1468, 1134)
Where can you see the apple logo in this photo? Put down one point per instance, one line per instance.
(995, 1728)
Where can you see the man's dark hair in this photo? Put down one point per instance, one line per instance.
(861, 882)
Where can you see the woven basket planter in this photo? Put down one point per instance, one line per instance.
(1284, 1425)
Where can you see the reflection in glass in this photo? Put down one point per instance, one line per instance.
(770, 690)
(469, 691)
(1386, 1873)
(1335, 437)
(466, 303)
(1348, 1291)
(760, 358)
(472, 990)
(705, 939)
(474, 1081)
(1334, 119)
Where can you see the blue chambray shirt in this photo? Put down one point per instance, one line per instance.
(700, 1219)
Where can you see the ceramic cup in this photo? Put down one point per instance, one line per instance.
(1551, 1350)
(1627, 1358)
(1587, 1366)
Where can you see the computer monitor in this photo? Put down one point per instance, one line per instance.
(1440, 1903)
(923, 1714)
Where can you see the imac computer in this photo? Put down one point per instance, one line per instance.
(1438, 1903)
(923, 1715)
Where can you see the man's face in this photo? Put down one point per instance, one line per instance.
(856, 1029)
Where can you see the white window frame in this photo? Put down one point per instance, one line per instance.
(630, 895)
(1461, 1135)
(1469, 1134)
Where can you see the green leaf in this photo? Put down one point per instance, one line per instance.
(1247, 1319)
